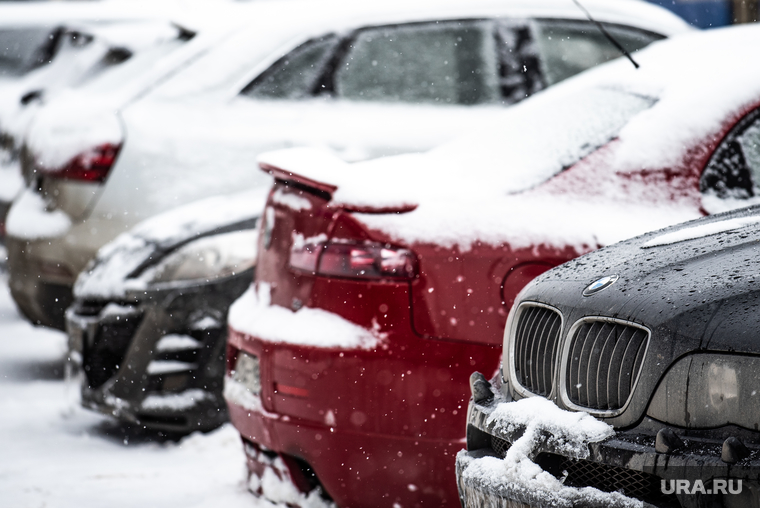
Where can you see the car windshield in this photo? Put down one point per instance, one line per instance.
(539, 138)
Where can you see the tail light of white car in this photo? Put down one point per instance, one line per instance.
(92, 165)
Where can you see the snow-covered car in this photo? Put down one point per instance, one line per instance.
(648, 355)
(365, 79)
(381, 285)
(75, 54)
(148, 325)
(48, 47)
(31, 36)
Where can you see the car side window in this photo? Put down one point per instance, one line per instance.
(294, 75)
(734, 169)
(450, 62)
(570, 47)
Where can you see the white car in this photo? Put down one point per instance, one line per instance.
(46, 48)
(364, 79)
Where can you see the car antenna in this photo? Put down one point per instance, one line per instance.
(607, 34)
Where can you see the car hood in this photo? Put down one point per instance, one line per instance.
(697, 283)
(115, 271)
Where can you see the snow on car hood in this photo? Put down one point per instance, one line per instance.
(492, 185)
(569, 434)
(108, 275)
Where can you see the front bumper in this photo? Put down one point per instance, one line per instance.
(626, 463)
(157, 362)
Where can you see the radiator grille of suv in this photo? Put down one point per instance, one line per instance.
(603, 364)
(535, 348)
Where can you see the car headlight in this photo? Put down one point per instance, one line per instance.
(206, 259)
(709, 390)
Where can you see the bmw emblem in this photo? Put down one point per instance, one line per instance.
(599, 285)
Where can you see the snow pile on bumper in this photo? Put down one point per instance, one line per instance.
(254, 315)
(516, 479)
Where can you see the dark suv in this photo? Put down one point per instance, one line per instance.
(657, 339)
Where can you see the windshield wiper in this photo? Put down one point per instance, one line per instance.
(607, 34)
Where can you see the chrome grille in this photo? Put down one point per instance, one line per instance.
(536, 343)
(604, 360)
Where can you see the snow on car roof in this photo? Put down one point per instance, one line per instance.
(493, 175)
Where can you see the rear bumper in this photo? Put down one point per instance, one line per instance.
(356, 469)
(126, 374)
(42, 271)
(626, 462)
(42, 303)
(377, 428)
(39, 283)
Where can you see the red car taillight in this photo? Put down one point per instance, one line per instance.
(90, 166)
(355, 260)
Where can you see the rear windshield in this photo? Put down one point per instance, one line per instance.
(537, 139)
(21, 48)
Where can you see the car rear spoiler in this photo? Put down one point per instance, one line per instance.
(305, 166)
(315, 169)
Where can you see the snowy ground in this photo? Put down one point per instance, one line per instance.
(55, 454)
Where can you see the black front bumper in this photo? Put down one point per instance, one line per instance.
(626, 462)
(127, 374)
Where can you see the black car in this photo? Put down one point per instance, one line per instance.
(147, 330)
(656, 338)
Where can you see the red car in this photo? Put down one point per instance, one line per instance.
(382, 285)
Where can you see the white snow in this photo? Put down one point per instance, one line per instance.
(11, 181)
(275, 484)
(175, 342)
(701, 231)
(292, 201)
(203, 215)
(238, 394)
(254, 315)
(59, 455)
(28, 218)
(568, 434)
(157, 367)
(176, 401)
(57, 142)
